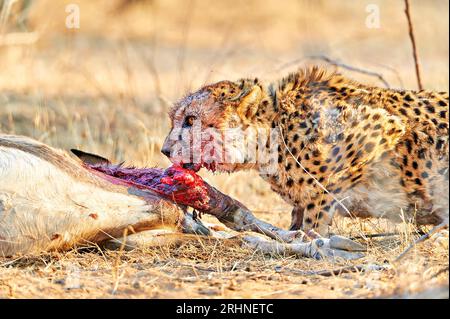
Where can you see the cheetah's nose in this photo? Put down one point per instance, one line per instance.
(166, 151)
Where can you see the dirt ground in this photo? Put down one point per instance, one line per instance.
(106, 86)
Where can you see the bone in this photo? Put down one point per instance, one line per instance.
(340, 242)
(317, 248)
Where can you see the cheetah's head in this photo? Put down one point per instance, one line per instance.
(207, 126)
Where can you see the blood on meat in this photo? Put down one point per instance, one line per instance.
(175, 183)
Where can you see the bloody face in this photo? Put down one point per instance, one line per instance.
(206, 130)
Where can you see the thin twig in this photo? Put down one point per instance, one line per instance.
(394, 71)
(337, 64)
(11, 262)
(422, 239)
(312, 176)
(414, 47)
(441, 271)
(380, 235)
(375, 236)
(334, 272)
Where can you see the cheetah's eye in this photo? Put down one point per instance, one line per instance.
(189, 121)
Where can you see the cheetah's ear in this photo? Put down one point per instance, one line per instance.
(249, 103)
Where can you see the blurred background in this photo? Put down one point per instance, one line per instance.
(101, 75)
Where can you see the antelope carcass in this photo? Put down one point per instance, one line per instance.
(50, 200)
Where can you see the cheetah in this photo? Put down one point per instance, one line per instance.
(342, 146)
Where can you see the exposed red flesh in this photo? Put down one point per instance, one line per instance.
(175, 183)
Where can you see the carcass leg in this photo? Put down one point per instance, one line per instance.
(191, 225)
(317, 248)
(236, 216)
(188, 189)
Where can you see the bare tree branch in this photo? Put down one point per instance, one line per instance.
(337, 64)
(414, 47)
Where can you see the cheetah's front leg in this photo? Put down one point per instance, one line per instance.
(297, 218)
(315, 217)
(318, 213)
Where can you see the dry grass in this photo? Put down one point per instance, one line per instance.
(106, 88)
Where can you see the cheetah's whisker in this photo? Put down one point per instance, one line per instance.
(310, 175)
